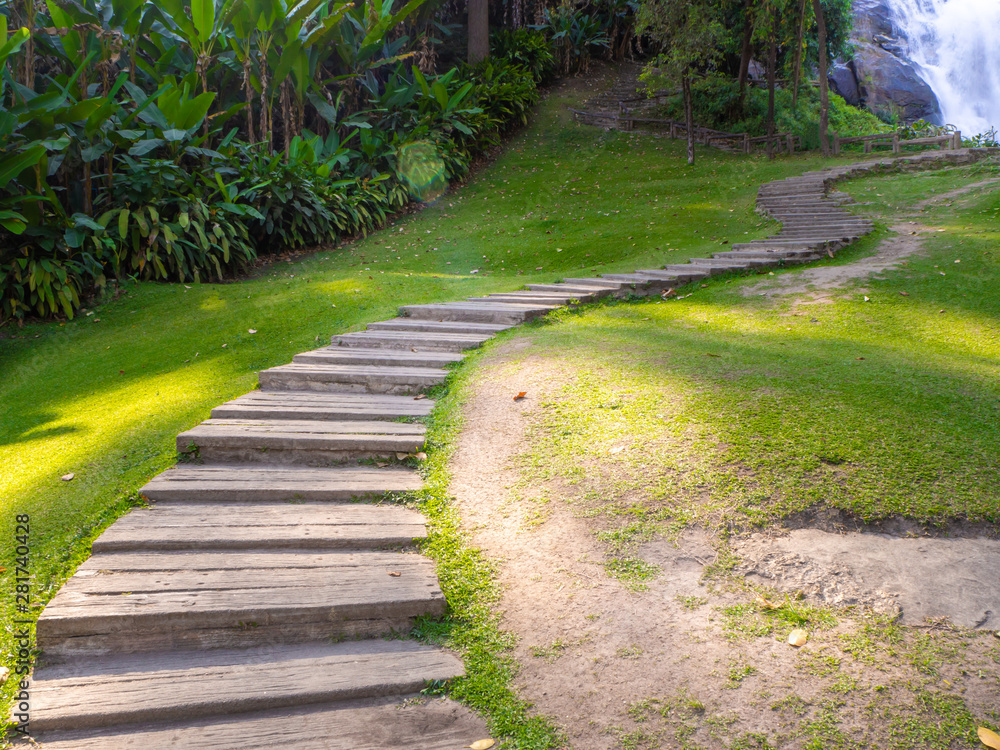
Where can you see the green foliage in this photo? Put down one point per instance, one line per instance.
(525, 48)
(114, 162)
(714, 101)
(573, 33)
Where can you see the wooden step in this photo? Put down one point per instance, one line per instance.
(262, 526)
(416, 341)
(439, 326)
(298, 441)
(683, 273)
(339, 355)
(226, 483)
(544, 298)
(351, 378)
(365, 724)
(313, 405)
(477, 312)
(571, 289)
(129, 602)
(113, 691)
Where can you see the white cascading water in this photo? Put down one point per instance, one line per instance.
(956, 44)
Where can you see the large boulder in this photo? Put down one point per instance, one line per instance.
(885, 80)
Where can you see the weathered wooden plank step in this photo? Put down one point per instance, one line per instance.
(641, 284)
(204, 600)
(262, 526)
(337, 355)
(365, 724)
(359, 378)
(184, 686)
(479, 312)
(312, 405)
(577, 289)
(416, 341)
(298, 441)
(226, 483)
(741, 264)
(684, 273)
(439, 326)
(556, 300)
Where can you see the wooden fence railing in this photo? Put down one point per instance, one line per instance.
(944, 142)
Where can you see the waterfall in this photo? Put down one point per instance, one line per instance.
(956, 45)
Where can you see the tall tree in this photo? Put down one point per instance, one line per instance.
(479, 30)
(824, 96)
(688, 34)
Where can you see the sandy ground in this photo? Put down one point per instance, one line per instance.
(619, 668)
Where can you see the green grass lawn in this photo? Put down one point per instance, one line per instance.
(103, 396)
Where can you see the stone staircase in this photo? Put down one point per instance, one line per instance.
(249, 606)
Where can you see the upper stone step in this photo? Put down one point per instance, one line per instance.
(477, 312)
(351, 378)
(641, 284)
(130, 602)
(114, 691)
(369, 724)
(339, 355)
(416, 341)
(226, 483)
(438, 326)
(298, 441)
(262, 526)
(313, 405)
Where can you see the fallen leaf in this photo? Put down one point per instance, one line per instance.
(767, 603)
(958, 261)
(225, 345)
(121, 372)
(904, 294)
(669, 293)
(538, 268)
(395, 573)
(418, 398)
(866, 299)
(482, 744)
(402, 456)
(4, 673)
(798, 637)
(68, 477)
(381, 464)
(619, 449)
(859, 357)
(989, 737)
(252, 330)
(520, 395)
(421, 456)
(709, 354)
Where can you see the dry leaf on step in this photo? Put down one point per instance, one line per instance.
(402, 456)
(68, 477)
(520, 395)
(381, 464)
(417, 398)
(421, 456)
(395, 573)
(798, 637)
(482, 744)
(989, 738)
(767, 603)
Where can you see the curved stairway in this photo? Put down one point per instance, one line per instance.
(249, 605)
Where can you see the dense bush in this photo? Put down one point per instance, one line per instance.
(715, 100)
(139, 139)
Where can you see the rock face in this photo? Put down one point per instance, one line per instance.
(880, 76)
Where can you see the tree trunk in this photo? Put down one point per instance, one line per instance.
(688, 116)
(479, 30)
(745, 51)
(798, 54)
(824, 97)
(772, 63)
